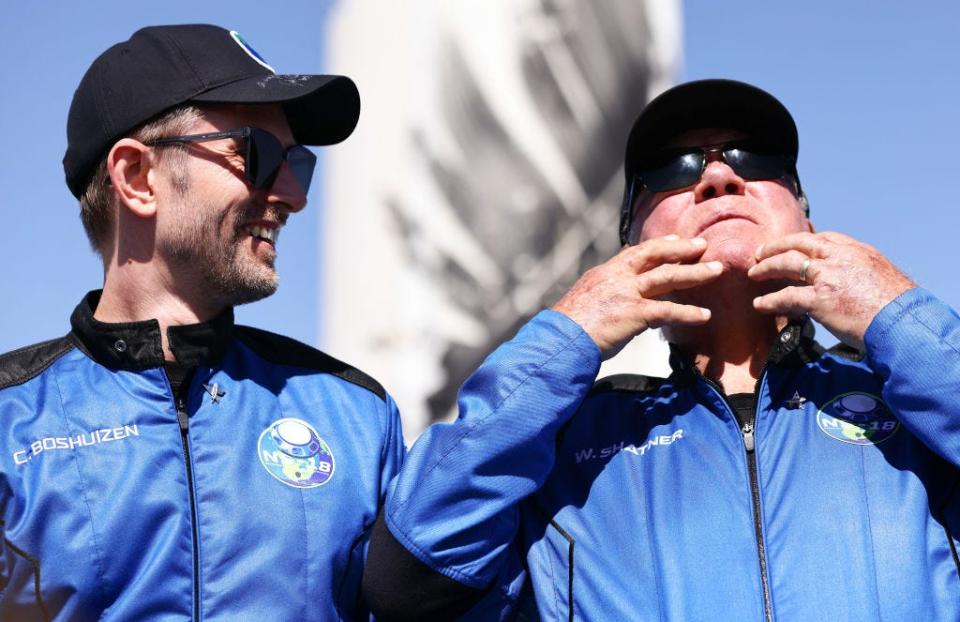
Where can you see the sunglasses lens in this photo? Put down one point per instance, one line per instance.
(676, 172)
(755, 166)
(302, 162)
(264, 157)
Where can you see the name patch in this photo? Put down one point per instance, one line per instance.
(86, 439)
(658, 440)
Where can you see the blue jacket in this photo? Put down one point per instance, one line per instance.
(644, 499)
(250, 499)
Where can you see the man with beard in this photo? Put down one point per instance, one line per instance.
(764, 479)
(160, 461)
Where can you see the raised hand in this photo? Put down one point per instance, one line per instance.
(841, 283)
(617, 300)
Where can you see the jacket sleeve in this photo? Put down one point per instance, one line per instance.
(446, 539)
(391, 458)
(914, 344)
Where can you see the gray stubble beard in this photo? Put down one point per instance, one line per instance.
(200, 250)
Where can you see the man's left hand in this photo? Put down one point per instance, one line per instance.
(843, 283)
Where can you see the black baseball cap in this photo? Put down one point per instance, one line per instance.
(702, 104)
(161, 67)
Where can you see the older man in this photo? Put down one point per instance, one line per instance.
(161, 462)
(764, 479)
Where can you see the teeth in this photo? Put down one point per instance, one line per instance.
(266, 233)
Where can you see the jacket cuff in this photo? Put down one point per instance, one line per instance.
(908, 324)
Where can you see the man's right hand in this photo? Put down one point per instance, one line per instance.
(618, 300)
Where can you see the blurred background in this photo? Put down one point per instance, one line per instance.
(485, 173)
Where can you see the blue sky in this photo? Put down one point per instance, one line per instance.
(873, 86)
(874, 90)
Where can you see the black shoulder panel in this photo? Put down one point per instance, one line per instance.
(844, 351)
(286, 351)
(25, 363)
(627, 382)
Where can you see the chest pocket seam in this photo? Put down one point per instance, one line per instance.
(35, 563)
(571, 543)
(74, 455)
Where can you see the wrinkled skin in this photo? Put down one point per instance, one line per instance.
(847, 282)
(618, 299)
(699, 250)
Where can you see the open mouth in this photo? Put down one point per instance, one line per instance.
(266, 234)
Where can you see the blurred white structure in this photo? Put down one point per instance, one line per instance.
(484, 176)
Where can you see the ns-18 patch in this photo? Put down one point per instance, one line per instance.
(857, 418)
(292, 451)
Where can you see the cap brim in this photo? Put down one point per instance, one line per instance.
(721, 104)
(321, 109)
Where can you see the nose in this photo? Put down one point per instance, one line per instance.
(718, 179)
(286, 191)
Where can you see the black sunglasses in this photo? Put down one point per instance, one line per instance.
(263, 157)
(679, 169)
(672, 170)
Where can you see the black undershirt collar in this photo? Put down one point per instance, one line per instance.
(744, 406)
(794, 346)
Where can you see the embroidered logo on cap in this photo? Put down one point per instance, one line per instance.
(857, 418)
(252, 53)
(292, 451)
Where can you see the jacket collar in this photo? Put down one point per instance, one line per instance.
(137, 345)
(794, 346)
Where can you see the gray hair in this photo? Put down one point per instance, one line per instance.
(96, 202)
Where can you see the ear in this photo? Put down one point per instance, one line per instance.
(642, 206)
(128, 165)
(805, 206)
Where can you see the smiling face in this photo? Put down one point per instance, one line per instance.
(734, 215)
(215, 231)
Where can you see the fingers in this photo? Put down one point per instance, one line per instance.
(793, 301)
(838, 238)
(615, 301)
(671, 249)
(659, 313)
(788, 265)
(813, 245)
(670, 277)
(841, 282)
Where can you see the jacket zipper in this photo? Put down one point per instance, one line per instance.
(755, 488)
(184, 420)
(749, 444)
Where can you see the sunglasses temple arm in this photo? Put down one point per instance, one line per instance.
(626, 210)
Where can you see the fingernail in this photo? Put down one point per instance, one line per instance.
(672, 236)
(698, 242)
(756, 301)
(715, 266)
(759, 251)
(705, 313)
